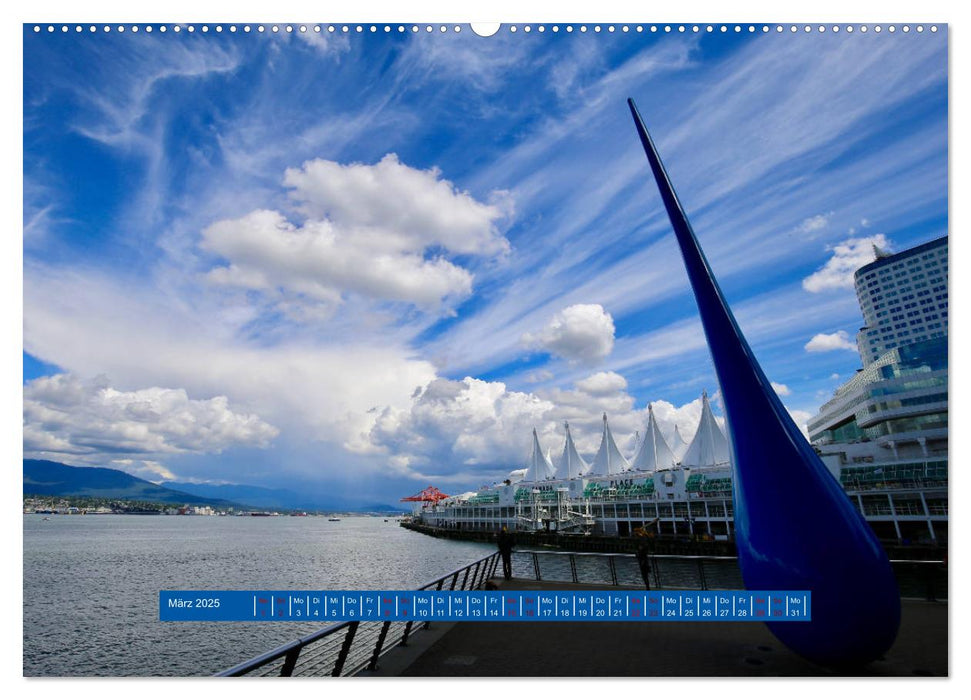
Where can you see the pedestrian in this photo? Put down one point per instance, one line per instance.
(506, 542)
(644, 562)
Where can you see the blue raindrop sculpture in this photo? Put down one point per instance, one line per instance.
(795, 528)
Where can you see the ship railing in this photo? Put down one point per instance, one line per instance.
(347, 648)
(916, 579)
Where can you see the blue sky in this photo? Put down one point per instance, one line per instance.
(362, 263)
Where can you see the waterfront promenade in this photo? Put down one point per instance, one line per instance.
(653, 649)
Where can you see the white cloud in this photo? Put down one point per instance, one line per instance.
(268, 253)
(781, 389)
(848, 257)
(578, 333)
(381, 231)
(319, 389)
(64, 416)
(801, 418)
(602, 383)
(825, 342)
(455, 423)
(472, 429)
(147, 469)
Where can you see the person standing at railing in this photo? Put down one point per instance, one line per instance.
(644, 561)
(506, 543)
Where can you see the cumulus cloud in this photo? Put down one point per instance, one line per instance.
(65, 417)
(848, 256)
(826, 342)
(381, 231)
(781, 389)
(801, 418)
(468, 429)
(579, 333)
(454, 423)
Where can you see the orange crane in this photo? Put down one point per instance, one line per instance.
(429, 495)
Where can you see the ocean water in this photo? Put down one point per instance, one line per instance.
(91, 584)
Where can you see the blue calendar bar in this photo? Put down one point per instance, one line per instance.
(510, 606)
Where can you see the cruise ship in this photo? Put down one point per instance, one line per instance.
(883, 437)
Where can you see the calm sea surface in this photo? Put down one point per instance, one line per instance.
(91, 584)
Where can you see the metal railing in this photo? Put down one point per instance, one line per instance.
(614, 569)
(347, 648)
(916, 579)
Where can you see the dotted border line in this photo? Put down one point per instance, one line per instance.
(513, 28)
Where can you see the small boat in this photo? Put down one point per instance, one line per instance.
(333, 520)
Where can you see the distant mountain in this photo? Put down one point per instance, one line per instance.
(45, 478)
(256, 496)
(261, 497)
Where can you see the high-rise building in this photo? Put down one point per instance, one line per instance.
(903, 298)
(884, 434)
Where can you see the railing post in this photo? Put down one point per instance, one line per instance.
(289, 662)
(455, 577)
(465, 579)
(573, 567)
(345, 648)
(441, 582)
(701, 574)
(404, 637)
(536, 567)
(475, 576)
(613, 570)
(373, 664)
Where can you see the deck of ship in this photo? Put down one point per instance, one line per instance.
(646, 649)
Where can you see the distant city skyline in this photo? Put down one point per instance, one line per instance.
(370, 262)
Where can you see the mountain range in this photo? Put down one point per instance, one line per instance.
(46, 478)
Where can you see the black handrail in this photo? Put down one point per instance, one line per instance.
(290, 652)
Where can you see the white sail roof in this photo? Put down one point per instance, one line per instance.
(678, 445)
(539, 468)
(653, 453)
(709, 446)
(609, 460)
(570, 465)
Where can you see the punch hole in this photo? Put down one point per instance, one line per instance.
(485, 29)
(527, 29)
(681, 28)
(164, 29)
(934, 28)
(569, 28)
(219, 28)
